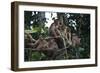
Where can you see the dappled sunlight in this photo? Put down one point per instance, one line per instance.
(49, 18)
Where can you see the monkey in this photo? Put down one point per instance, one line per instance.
(41, 44)
(48, 46)
(66, 33)
(52, 44)
(29, 41)
(53, 30)
(45, 44)
(52, 48)
(59, 30)
(75, 40)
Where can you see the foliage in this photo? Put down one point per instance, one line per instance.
(78, 23)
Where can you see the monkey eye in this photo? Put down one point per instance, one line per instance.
(60, 23)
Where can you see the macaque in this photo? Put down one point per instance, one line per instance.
(53, 30)
(52, 44)
(40, 44)
(66, 33)
(29, 41)
(75, 40)
(59, 31)
(45, 44)
(75, 44)
(52, 48)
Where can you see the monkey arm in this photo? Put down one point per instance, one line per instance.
(30, 37)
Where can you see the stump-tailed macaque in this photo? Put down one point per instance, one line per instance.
(59, 31)
(45, 44)
(75, 40)
(52, 48)
(53, 30)
(75, 44)
(29, 41)
(40, 44)
(66, 34)
(52, 44)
